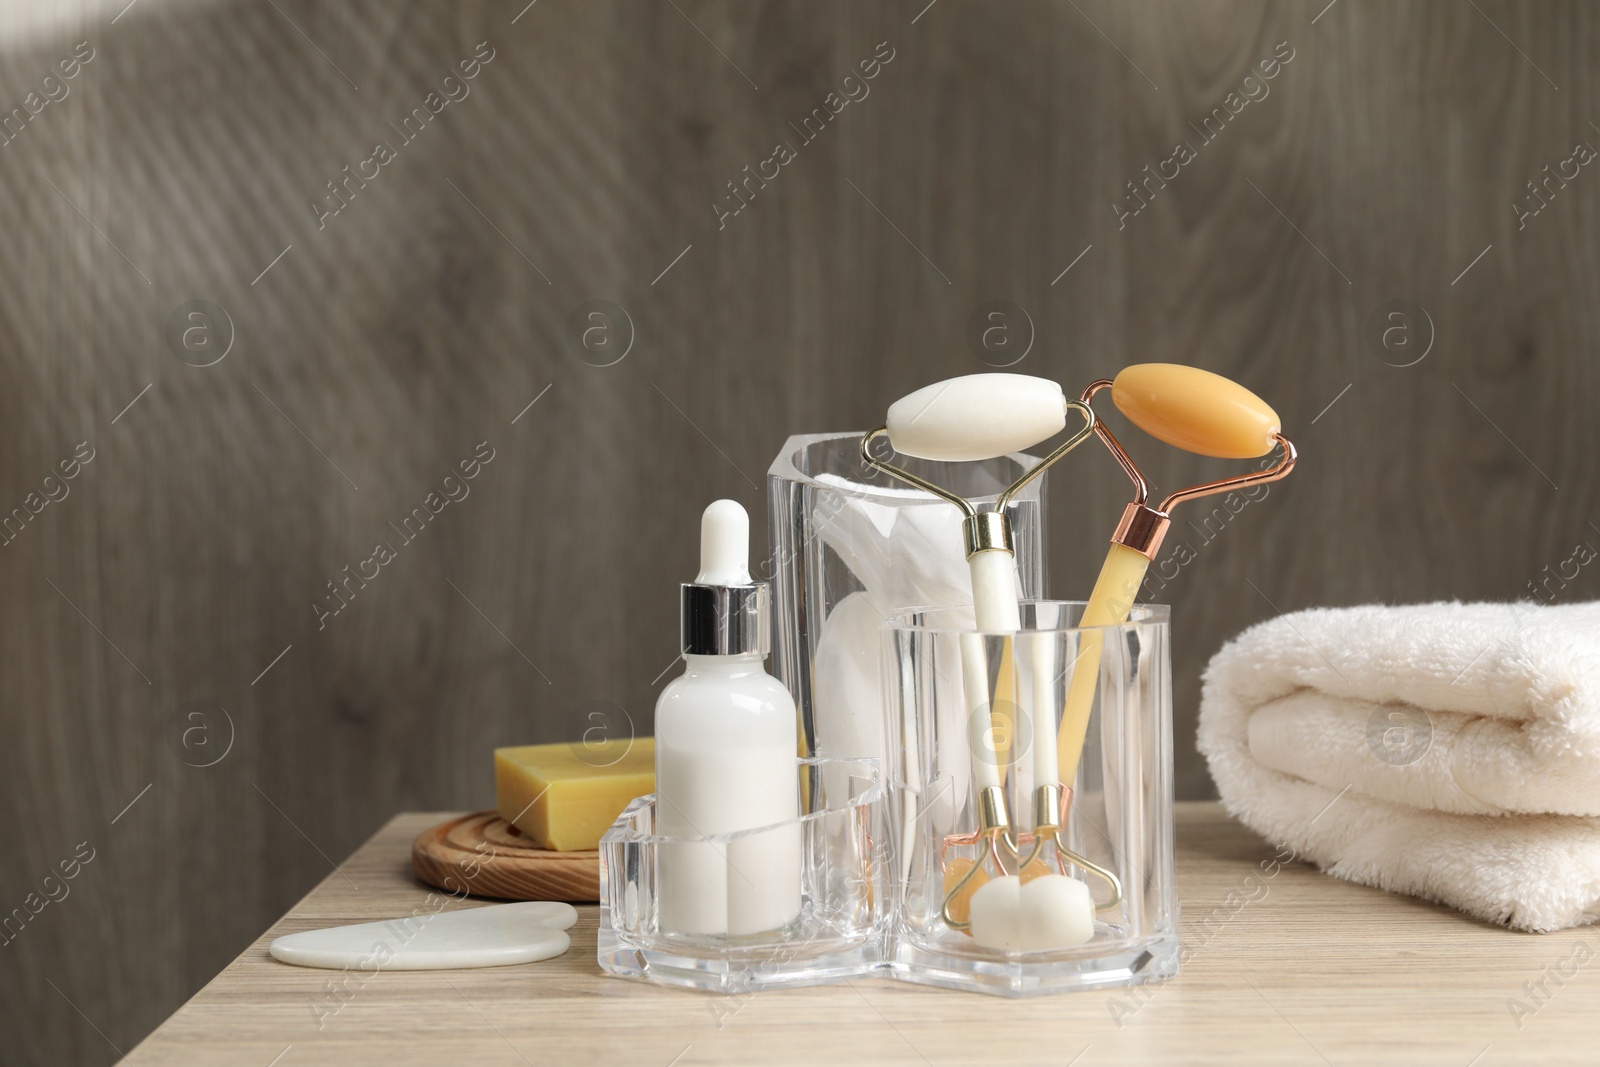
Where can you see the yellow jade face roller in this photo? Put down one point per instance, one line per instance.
(977, 417)
(1197, 411)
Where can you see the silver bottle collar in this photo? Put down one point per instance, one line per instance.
(725, 620)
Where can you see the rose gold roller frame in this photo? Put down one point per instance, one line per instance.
(1142, 527)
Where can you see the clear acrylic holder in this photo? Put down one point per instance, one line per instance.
(1121, 803)
(843, 924)
(852, 547)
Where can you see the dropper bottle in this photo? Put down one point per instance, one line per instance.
(726, 754)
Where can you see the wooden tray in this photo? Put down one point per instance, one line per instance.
(488, 857)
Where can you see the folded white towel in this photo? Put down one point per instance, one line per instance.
(1450, 751)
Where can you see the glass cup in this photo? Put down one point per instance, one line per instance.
(851, 547)
(1112, 833)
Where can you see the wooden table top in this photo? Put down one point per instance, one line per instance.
(1285, 966)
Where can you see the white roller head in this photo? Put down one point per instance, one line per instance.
(724, 544)
(1044, 914)
(996, 914)
(978, 416)
(1056, 912)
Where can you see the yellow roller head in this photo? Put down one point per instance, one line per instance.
(1195, 410)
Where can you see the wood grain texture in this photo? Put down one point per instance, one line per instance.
(483, 855)
(1285, 965)
(182, 571)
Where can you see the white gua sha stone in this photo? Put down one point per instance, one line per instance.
(492, 936)
(1049, 912)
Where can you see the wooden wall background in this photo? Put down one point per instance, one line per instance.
(378, 351)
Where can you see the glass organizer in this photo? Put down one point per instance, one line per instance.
(842, 929)
(878, 848)
(1120, 811)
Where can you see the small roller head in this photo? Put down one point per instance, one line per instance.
(1040, 915)
(1195, 410)
(978, 416)
(996, 919)
(1057, 912)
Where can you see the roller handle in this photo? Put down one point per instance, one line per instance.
(1108, 605)
(996, 610)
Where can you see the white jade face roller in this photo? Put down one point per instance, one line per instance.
(977, 417)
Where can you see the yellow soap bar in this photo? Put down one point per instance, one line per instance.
(1195, 410)
(564, 796)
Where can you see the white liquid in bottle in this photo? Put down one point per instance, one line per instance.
(726, 747)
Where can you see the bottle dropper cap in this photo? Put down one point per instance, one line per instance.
(724, 611)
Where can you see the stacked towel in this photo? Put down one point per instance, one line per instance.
(1450, 751)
